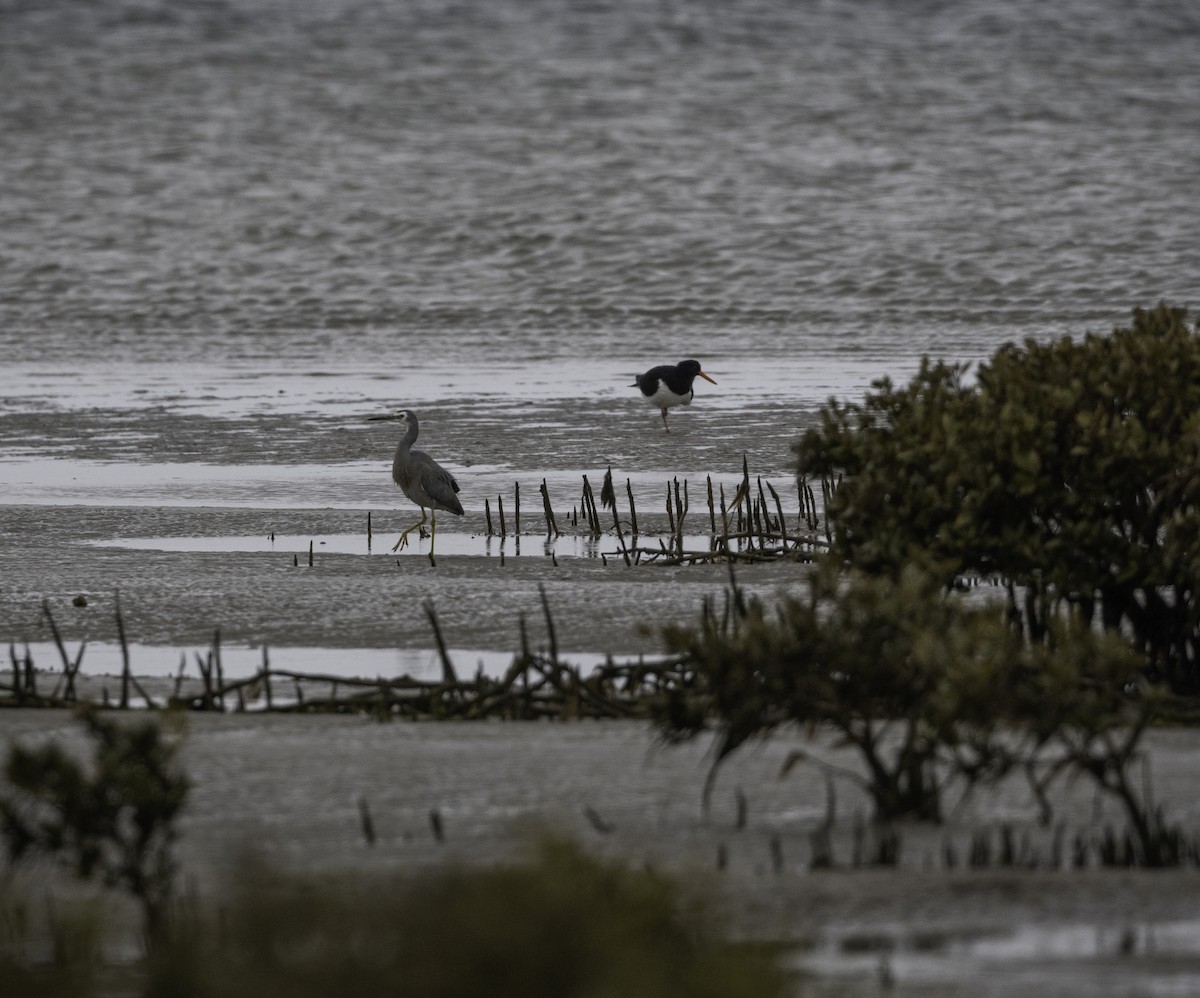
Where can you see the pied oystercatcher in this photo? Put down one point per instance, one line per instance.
(665, 386)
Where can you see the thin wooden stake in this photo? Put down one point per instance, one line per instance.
(57, 637)
(620, 535)
(552, 637)
(680, 510)
(364, 819)
(724, 521)
(826, 496)
(126, 672)
(588, 503)
(69, 691)
(779, 509)
(551, 525)
(220, 671)
(206, 676)
(266, 677)
(30, 674)
(449, 676)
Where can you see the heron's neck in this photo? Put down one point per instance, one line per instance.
(408, 440)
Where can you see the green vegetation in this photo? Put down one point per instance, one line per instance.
(73, 947)
(116, 824)
(1070, 470)
(929, 690)
(885, 666)
(563, 924)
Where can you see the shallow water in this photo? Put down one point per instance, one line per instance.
(312, 184)
(106, 659)
(449, 543)
(294, 215)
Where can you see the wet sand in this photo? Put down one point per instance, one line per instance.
(344, 600)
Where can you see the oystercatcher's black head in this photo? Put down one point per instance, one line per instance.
(692, 369)
(687, 371)
(677, 378)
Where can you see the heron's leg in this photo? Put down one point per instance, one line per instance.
(664, 416)
(404, 536)
(432, 532)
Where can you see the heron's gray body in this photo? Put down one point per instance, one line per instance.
(420, 477)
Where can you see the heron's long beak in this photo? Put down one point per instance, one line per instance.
(705, 377)
(386, 418)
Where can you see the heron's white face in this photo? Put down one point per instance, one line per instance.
(398, 416)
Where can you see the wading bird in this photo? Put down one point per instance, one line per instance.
(666, 386)
(420, 478)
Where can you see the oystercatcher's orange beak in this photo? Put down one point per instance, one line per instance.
(705, 377)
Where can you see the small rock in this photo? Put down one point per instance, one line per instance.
(80, 600)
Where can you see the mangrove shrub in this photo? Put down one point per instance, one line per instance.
(928, 687)
(900, 672)
(1069, 469)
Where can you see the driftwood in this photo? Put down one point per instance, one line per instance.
(537, 684)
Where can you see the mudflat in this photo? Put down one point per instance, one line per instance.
(371, 599)
(290, 788)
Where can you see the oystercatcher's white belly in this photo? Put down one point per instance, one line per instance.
(664, 398)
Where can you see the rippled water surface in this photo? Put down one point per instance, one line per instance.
(356, 202)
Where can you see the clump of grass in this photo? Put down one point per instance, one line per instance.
(564, 925)
(67, 943)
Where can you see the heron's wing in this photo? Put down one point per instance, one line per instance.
(441, 487)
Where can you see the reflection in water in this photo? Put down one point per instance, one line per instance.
(1065, 959)
(241, 661)
(469, 545)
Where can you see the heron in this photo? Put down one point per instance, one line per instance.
(665, 386)
(420, 478)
